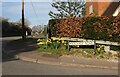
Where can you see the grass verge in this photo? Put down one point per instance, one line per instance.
(84, 52)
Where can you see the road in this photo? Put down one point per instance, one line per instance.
(17, 67)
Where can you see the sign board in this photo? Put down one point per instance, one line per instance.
(88, 41)
(82, 43)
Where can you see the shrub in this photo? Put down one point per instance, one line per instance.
(70, 27)
(53, 27)
(100, 28)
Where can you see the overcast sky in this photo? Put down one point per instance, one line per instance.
(12, 10)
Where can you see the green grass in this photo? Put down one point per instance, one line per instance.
(85, 52)
(63, 51)
(58, 52)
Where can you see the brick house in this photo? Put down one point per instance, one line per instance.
(103, 8)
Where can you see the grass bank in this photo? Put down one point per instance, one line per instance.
(83, 52)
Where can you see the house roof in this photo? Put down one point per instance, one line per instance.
(111, 9)
(119, 14)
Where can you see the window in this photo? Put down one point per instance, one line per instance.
(91, 9)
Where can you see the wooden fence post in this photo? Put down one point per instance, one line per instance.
(94, 45)
(68, 46)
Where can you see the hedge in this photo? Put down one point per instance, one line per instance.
(99, 28)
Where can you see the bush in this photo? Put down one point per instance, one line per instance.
(53, 27)
(12, 28)
(70, 27)
(100, 28)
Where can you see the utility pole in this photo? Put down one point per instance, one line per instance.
(23, 24)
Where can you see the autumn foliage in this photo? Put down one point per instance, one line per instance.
(69, 27)
(100, 28)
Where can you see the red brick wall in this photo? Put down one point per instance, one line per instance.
(95, 7)
(98, 7)
(102, 6)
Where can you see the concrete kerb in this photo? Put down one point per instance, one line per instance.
(62, 63)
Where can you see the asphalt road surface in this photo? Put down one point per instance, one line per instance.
(18, 67)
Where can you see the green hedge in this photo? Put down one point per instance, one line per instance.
(53, 27)
(101, 28)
